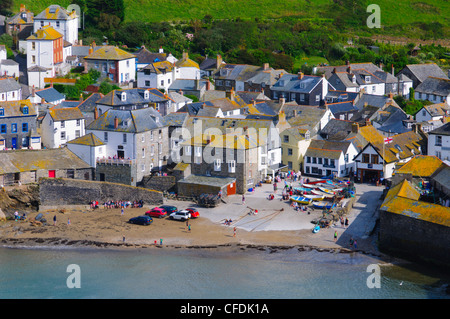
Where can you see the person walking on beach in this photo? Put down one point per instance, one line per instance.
(355, 244)
(351, 242)
(121, 212)
(243, 200)
(54, 220)
(68, 221)
(234, 232)
(335, 235)
(346, 222)
(160, 241)
(189, 227)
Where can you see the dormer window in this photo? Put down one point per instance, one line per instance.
(123, 96)
(146, 95)
(367, 78)
(2, 112)
(354, 79)
(25, 110)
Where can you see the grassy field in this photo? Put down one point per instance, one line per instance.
(398, 12)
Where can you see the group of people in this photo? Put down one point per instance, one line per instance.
(117, 204)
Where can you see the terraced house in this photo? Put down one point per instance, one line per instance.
(18, 121)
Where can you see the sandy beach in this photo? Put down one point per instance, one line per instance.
(277, 225)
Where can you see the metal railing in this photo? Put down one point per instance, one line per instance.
(115, 161)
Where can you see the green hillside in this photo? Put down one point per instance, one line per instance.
(393, 13)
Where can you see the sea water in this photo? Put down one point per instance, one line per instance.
(205, 274)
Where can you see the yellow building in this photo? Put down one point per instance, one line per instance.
(294, 144)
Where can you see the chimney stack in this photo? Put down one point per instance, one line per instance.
(81, 97)
(22, 8)
(266, 66)
(95, 113)
(392, 69)
(368, 123)
(300, 75)
(161, 50)
(282, 101)
(218, 61)
(355, 128)
(33, 91)
(116, 123)
(208, 85)
(185, 55)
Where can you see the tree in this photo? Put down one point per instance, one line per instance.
(6, 7)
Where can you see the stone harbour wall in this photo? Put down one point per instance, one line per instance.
(59, 192)
(414, 239)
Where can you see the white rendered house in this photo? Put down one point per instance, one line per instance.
(61, 125)
(61, 20)
(10, 90)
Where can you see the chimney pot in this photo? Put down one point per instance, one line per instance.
(266, 66)
(355, 128)
(116, 122)
(95, 113)
(300, 75)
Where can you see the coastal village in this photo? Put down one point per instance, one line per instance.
(326, 159)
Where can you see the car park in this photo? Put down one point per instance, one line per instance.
(193, 211)
(141, 220)
(156, 212)
(180, 215)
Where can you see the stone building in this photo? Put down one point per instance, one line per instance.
(137, 144)
(27, 166)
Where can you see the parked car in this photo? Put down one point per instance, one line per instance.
(193, 211)
(141, 220)
(156, 212)
(180, 215)
(169, 209)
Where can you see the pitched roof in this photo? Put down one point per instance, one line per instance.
(55, 12)
(109, 52)
(65, 114)
(438, 109)
(89, 140)
(50, 94)
(8, 85)
(160, 67)
(434, 85)
(132, 121)
(424, 70)
(89, 104)
(32, 160)
(133, 96)
(144, 56)
(327, 149)
(15, 108)
(442, 130)
(421, 165)
(185, 62)
(45, 33)
(292, 83)
(403, 199)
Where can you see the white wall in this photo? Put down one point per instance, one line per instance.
(188, 73)
(68, 28)
(114, 140)
(42, 53)
(9, 70)
(127, 70)
(89, 154)
(15, 95)
(375, 89)
(51, 131)
(442, 151)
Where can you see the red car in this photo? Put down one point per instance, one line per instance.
(194, 212)
(156, 212)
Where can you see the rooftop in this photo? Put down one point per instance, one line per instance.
(109, 53)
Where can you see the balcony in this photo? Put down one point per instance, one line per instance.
(115, 161)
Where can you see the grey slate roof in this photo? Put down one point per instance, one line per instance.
(372, 100)
(50, 95)
(133, 96)
(336, 130)
(433, 85)
(291, 83)
(8, 85)
(133, 121)
(442, 130)
(60, 12)
(423, 71)
(89, 104)
(175, 119)
(144, 56)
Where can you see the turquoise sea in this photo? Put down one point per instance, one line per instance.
(209, 274)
